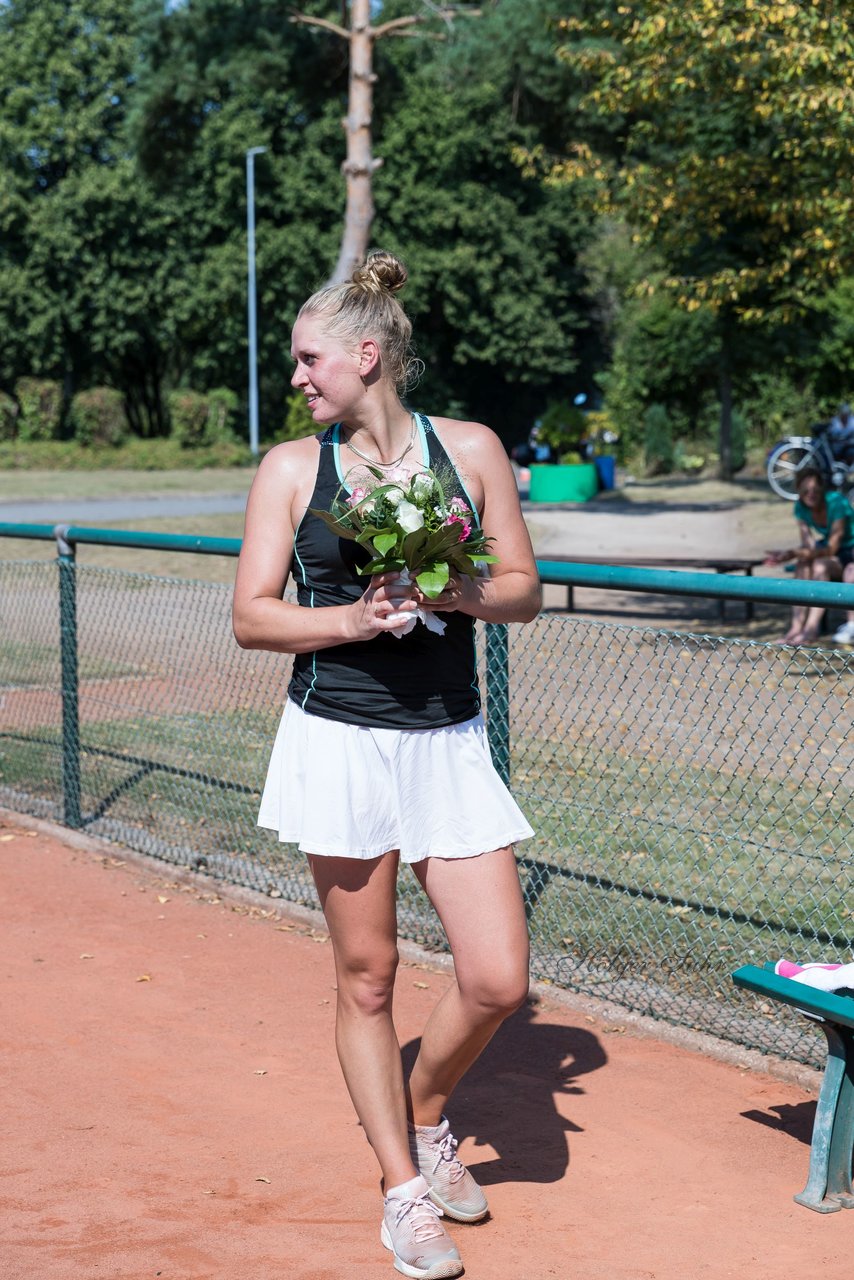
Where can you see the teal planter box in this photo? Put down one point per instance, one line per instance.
(557, 483)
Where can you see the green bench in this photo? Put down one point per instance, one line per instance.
(828, 1186)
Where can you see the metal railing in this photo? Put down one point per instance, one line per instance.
(690, 794)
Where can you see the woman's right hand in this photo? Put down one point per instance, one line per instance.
(385, 606)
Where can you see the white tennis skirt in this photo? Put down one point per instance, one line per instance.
(349, 791)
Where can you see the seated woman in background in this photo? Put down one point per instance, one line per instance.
(826, 524)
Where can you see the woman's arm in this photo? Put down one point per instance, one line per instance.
(261, 619)
(512, 592)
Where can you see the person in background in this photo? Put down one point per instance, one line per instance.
(841, 435)
(826, 554)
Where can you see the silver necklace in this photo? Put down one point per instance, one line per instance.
(375, 462)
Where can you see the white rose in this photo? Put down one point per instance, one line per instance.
(409, 517)
(394, 497)
(422, 487)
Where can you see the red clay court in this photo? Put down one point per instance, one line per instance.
(173, 1108)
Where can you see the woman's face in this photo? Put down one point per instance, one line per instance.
(327, 372)
(810, 492)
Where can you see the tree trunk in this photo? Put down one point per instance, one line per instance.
(725, 436)
(360, 165)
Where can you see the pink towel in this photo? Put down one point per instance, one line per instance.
(825, 977)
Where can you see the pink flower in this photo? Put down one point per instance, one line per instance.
(460, 508)
(356, 496)
(465, 529)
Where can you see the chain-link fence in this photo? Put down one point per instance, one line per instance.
(691, 795)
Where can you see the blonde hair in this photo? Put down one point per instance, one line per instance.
(365, 307)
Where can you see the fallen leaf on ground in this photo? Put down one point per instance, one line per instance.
(144, 977)
(87, 956)
(262, 1179)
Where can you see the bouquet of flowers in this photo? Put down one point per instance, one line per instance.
(411, 527)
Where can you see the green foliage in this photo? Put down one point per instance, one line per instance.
(734, 132)
(41, 408)
(298, 419)
(775, 406)
(657, 440)
(202, 418)
(561, 425)
(8, 417)
(98, 417)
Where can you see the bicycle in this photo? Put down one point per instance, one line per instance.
(795, 454)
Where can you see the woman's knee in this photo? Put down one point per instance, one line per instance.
(366, 983)
(498, 992)
(821, 570)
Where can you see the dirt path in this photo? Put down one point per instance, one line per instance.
(173, 1108)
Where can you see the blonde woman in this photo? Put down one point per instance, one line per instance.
(381, 755)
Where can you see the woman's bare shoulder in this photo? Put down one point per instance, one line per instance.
(464, 432)
(291, 455)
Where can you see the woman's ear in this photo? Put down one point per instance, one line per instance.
(369, 356)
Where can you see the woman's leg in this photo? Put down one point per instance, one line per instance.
(479, 901)
(848, 576)
(359, 902)
(825, 570)
(799, 612)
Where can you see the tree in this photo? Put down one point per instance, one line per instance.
(361, 164)
(732, 152)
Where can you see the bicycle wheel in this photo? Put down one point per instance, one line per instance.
(785, 464)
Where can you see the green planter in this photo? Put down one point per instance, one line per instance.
(554, 482)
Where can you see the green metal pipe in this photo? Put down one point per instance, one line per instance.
(607, 577)
(73, 816)
(678, 582)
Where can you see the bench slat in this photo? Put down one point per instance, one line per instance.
(838, 1009)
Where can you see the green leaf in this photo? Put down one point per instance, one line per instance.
(433, 581)
(384, 543)
(337, 526)
(384, 564)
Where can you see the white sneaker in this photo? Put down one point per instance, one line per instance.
(411, 1229)
(452, 1188)
(844, 634)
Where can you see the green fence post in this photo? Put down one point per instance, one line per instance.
(70, 688)
(498, 697)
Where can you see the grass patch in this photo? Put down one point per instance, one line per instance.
(134, 455)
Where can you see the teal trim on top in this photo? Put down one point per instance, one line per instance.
(336, 453)
(468, 496)
(310, 690)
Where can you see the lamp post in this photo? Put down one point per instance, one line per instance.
(253, 335)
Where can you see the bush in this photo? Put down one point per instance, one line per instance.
(657, 440)
(41, 408)
(8, 417)
(97, 416)
(561, 426)
(202, 418)
(298, 419)
(775, 407)
(687, 458)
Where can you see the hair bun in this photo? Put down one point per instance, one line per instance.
(382, 272)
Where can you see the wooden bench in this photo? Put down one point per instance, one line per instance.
(663, 562)
(828, 1187)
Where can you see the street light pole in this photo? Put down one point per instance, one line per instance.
(253, 334)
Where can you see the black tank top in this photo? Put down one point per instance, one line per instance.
(418, 681)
